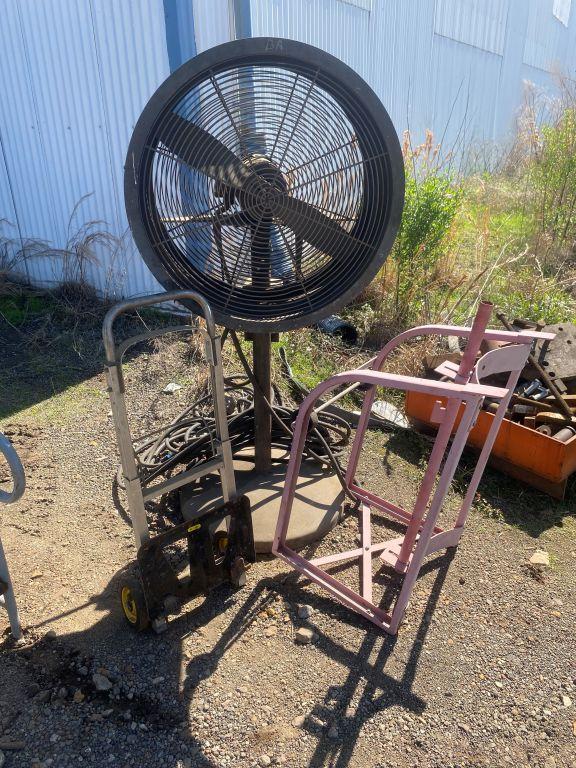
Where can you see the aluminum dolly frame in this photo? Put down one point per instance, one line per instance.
(222, 462)
(7, 597)
(459, 402)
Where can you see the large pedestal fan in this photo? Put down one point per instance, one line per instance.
(265, 175)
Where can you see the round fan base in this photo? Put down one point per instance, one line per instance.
(317, 503)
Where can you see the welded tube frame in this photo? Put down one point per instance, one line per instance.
(463, 399)
(222, 462)
(18, 488)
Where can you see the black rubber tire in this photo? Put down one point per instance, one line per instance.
(138, 618)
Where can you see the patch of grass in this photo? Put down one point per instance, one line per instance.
(17, 309)
(62, 408)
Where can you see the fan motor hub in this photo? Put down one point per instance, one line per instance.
(267, 185)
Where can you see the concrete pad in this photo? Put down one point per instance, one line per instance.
(317, 502)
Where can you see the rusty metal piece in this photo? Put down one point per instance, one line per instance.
(549, 417)
(568, 399)
(565, 434)
(546, 406)
(562, 406)
(530, 422)
(558, 356)
(523, 410)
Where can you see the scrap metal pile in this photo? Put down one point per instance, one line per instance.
(537, 440)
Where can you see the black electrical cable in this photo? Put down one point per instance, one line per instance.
(190, 438)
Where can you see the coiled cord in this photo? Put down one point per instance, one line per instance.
(189, 439)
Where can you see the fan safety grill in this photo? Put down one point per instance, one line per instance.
(268, 183)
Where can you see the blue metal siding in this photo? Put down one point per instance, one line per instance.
(445, 65)
(76, 75)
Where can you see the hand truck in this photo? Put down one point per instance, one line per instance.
(219, 541)
(7, 598)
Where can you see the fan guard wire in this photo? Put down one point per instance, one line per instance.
(274, 185)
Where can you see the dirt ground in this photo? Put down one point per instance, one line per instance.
(482, 673)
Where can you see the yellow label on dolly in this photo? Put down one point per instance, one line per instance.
(193, 528)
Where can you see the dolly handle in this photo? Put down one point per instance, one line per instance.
(147, 301)
(17, 470)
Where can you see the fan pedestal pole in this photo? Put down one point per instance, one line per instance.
(260, 475)
(262, 347)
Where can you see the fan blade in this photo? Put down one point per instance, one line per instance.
(313, 226)
(202, 151)
(238, 219)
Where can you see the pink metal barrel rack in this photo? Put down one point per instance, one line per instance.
(463, 398)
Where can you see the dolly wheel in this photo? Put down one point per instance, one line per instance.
(134, 605)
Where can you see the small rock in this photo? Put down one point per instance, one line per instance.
(333, 732)
(101, 682)
(78, 697)
(305, 611)
(169, 389)
(2, 759)
(270, 632)
(304, 636)
(566, 701)
(299, 721)
(265, 760)
(157, 680)
(50, 635)
(550, 762)
(540, 557)
(42, 697)
(62, 692)
(83, 671)
(281, 759)
(9, 744)
(54, 738)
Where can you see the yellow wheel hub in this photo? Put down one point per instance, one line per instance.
(129, 605)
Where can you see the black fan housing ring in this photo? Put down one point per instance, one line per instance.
(266, 175)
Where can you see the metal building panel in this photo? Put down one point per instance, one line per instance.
(546, 38)
(480, 23)
(336, 27)
(390, 47)
(465, 96)
(77, 75)
(21, 130)
(213, 23)
(561, 9)
(133, 61)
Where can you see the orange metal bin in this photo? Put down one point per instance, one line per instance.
(523, 453)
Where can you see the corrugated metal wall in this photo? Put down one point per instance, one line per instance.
(77, 73)
(75, 76)
(456, 67)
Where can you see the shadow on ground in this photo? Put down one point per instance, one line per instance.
(109, 638)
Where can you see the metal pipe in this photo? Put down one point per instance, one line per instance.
(262, 358)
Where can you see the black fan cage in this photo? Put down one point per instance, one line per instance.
(267, 176)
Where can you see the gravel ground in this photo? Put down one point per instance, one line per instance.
(482, 673)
